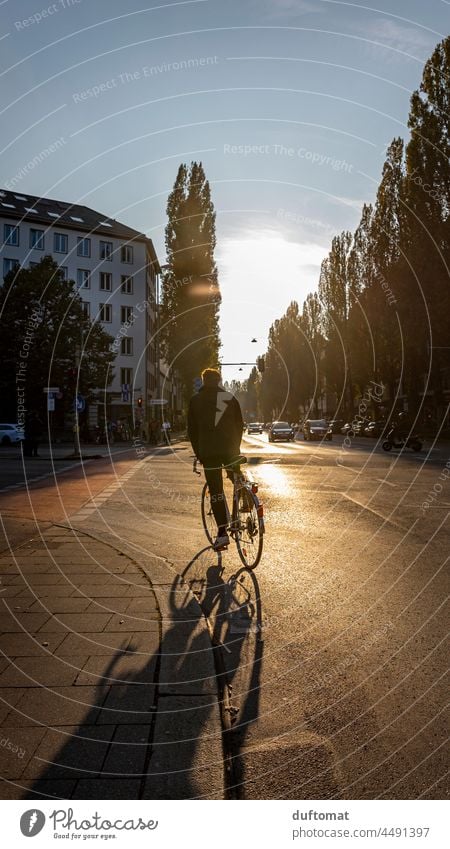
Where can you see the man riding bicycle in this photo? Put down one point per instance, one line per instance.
(215, 427)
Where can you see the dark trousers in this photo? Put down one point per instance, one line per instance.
(213, 474)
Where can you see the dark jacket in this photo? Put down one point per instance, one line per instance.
(215, 424)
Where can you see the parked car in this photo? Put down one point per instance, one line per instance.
(317, 429)
(354, 428)
(281, 431)
(375, 429)
(360, 426)
(336, 425)
(347, 429)
(254, 427)
(10, 435)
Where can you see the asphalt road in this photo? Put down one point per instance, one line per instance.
(332, 651)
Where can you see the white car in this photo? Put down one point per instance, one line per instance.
(10, 435)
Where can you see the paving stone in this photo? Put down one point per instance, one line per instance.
(128, 751)
(9, 591)
(146, 622)
(70, 752)
(142, 606)
(36, 789)
(61, 605)
(107, 789)
(23, 622)
(59, 706)
(17, 746)
(112, 605)
(77, 622)
(24, 645)
(110, 590)
(94, 643)
(125, 669)
(128, 703)
(186, 761)
(46, 580)
(45, 672)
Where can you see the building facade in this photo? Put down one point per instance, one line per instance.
(116, 273)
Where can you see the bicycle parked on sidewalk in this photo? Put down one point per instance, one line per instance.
(245, 524)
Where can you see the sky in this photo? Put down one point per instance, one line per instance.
(289, 104)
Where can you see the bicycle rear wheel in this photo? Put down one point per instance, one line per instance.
(249, 529)
(209, 522)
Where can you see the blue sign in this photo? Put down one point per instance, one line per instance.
(198, 383)
(79, 403)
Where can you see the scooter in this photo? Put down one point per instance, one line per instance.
(414, 442)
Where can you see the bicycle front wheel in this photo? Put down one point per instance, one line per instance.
(249, 529)
(209, 522)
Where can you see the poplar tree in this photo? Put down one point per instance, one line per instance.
(190, 290)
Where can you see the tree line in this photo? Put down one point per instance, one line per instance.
(381, 312)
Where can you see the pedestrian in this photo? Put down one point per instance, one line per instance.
(166, 426)
(33, 434)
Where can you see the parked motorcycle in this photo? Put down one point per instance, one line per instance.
(414, 442)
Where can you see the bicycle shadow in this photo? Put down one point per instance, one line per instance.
(233, 608)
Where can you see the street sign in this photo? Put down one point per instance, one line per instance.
(157, 402)
(51, 389)
(50, 403)
(79, 403)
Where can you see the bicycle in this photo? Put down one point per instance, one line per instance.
(245, 525)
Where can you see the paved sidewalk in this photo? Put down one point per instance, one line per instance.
(107, 685)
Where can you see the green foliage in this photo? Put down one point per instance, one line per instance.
(190, 290)
(382, 311)
(43, 330)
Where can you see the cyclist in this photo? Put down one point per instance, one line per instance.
(215, 427)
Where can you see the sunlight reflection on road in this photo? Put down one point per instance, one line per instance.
(275, 478)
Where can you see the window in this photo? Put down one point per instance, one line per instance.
(126, 284)
(126, 376)
(9, 265)
(126, 253)
(105, 281)
(11, 235)
(105, 313)
(64, 271)
(83, 246)
(106, 249)
(83, 278)
(37, 239)
(86, 307)
(126, 314)
(126, 346)
(60, 243)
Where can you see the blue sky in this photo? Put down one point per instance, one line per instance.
(288, 103)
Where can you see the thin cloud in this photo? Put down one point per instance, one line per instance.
(270, 9)
(400, 37)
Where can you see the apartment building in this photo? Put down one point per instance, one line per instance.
(116, 272)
